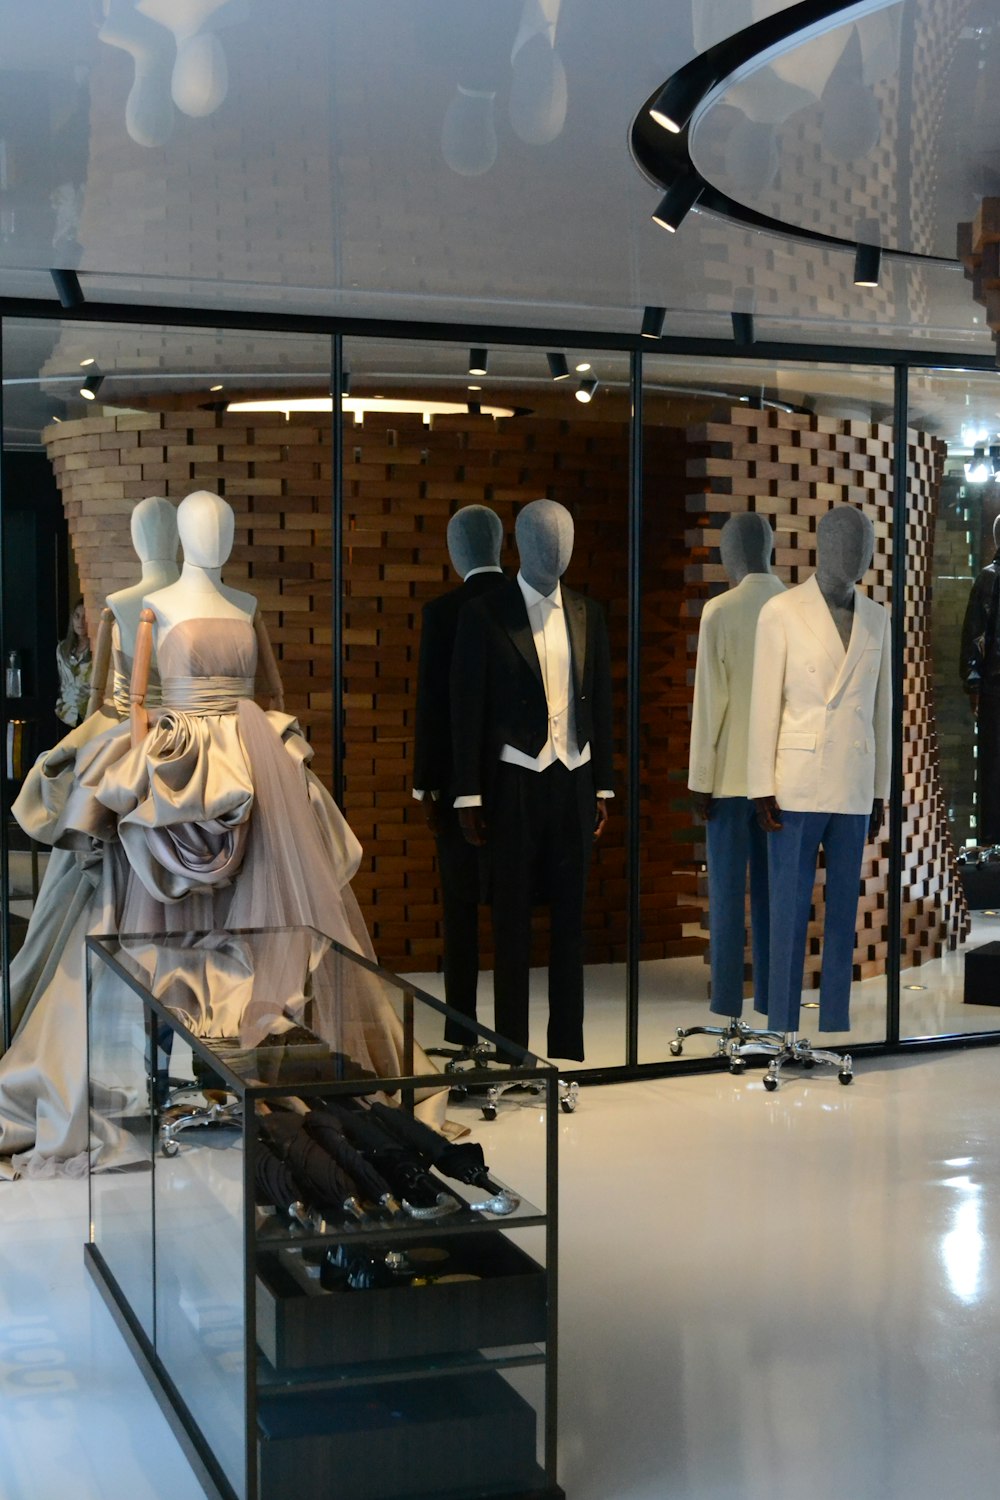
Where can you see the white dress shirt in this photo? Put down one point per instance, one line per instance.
(547, 619)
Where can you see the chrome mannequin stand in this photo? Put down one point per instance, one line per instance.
(791, 1048)
(483, 1058)
(736, 1033)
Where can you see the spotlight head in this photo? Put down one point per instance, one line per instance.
(478, 361)
(652, 322)
(679, 198)
(867, 265)
(679, 98)
(345, 382)
(68, 288)
(91, 386)
(743, 329)
(558, 368)
(585, 390)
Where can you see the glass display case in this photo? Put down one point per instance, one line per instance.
(325, 1281)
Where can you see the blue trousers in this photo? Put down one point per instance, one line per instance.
(736, 842)
(792, 855)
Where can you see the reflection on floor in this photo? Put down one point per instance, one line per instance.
(674, 992)
(764, 1297)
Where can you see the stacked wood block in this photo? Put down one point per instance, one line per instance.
(792, 468)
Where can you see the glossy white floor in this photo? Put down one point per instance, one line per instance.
(764, 1297)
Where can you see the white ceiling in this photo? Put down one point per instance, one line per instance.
(457, 160)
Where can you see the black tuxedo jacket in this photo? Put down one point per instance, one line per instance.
(432, 764)
(497, 693)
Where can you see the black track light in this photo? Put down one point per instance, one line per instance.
(743, 330)
(474, 409)
(345, 382)
(68, 288)
(478, 361)
(558, 368)
(652, 322)
(585, 390)
(679, 98)
(91, 386)
(867, 265)
(679, 198)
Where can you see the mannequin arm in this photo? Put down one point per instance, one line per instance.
(600, 818)
(768, 813)
(876, 818)
(139, 718)
(102, 660)
(701, 802)
(267, 665)
(708, 711)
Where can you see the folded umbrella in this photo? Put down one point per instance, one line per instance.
(323, 1182)
(399, 1164)
(325, 1129)
(464, 1161)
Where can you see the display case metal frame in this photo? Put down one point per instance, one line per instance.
(183, 1422)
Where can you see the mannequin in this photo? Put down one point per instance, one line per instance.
(819, 757)
(980, 669)
(718, 765)
(475, 536)
(154, 537)
(532, 744)
(206, 525)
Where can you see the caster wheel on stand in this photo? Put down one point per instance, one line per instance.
(676, 1048)
(737, 1066)
(770, 1083)
(568, 1106)
(489, 1111)
(845, 1077)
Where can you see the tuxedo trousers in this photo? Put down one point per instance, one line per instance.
(458, 872)
(737, 845)
(792, 855)
(988, 766)
(540, 830)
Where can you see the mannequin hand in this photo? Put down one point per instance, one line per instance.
(473, 825)
(701, 802)
(875, 818)
(974, 704)
(432, 814)
(768, 813)
(600, 818)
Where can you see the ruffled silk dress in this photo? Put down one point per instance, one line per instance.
(43, 1085)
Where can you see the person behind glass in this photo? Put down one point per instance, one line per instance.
(980, 669)
(532, 742)
(717, 774)
(819, 756)
(475, 536)
(75, 665)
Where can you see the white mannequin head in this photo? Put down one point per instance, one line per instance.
(206, 525)
(544, 535)
(154, 530)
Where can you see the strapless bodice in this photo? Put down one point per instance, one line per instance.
(207, 666)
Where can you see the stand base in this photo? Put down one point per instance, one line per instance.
(482, 1058)
(736, 1031)
(791, 1048)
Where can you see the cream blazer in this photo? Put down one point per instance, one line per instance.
(722, 679)
(820, 718)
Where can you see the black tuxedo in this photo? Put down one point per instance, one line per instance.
(539, 824)
(458, 861)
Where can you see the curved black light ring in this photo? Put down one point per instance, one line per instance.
(663, 156)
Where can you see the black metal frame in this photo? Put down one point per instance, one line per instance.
(897, 360)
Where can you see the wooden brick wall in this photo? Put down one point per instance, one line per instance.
(402, 481)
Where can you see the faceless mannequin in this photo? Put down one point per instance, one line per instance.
(544, 536)
(845, 545)
(745, 544)
(206, 526)
(475, 536)
(154, 537)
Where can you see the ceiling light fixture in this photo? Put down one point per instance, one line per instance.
(680, 197)
(585, 390)
(91, 386)
(652, 322)
(345, 382)
(215, 387)
(583, 367)
(358, 406)
(867, 265)
(558, 368)
(743, 329)
(85, 362)
(679, 98)
(473, 387)
(478, 361)
(978, 471)
(68, 288)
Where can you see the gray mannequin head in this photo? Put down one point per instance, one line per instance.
(154, 530)
(845, 545)
(475, 536)
(746, 544)
(544, 535)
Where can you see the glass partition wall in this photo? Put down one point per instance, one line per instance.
(341, 536)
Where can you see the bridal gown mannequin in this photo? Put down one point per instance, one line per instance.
(43, 1119)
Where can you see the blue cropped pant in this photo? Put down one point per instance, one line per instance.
(736, 844)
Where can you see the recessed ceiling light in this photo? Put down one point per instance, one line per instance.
(581, 369)
(474, 388)
(215, 387)
(915, 986)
